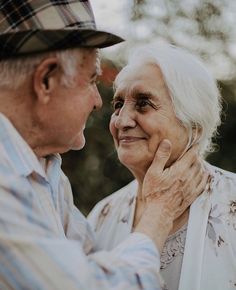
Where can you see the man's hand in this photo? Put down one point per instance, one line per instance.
(169, 191)
(178, 185)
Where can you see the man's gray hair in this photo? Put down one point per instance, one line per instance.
(192, 88)
(13, 72)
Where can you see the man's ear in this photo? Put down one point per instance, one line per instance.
(45, 79)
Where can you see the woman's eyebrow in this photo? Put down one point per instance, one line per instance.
(138, 94)
(117, 97)
(143, 95)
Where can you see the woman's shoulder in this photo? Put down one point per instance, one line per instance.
(116, 199)
(127, 191)
(223, 184)
(221, 173)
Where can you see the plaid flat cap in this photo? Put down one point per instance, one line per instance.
(32, 26)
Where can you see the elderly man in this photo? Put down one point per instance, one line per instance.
(48, 68)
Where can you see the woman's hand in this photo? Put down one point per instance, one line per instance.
(168, 192)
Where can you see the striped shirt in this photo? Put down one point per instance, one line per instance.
(46, 243)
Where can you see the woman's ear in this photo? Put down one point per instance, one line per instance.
(196, 133)
(45, 79)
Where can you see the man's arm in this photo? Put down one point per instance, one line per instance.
(52, 263)
(35, 256)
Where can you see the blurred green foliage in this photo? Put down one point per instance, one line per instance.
(225, 155)
(95, 171)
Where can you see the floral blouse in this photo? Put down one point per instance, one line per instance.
(209, 261)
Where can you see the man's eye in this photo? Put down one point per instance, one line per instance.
(94, 82)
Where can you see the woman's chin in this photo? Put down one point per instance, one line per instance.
(126, 159)
(133, 163)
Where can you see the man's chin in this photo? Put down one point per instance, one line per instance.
(79, 143)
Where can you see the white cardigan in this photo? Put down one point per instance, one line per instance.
(209, 261)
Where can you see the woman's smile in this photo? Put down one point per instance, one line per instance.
(129, 139)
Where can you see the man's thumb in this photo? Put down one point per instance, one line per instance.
(162, 154)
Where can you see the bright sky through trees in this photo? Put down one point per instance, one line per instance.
(205, 27)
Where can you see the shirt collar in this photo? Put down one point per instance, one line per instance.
(19, 153)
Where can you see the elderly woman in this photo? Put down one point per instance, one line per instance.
(166, 93)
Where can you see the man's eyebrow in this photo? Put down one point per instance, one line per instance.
(96, 73)
(94, 76)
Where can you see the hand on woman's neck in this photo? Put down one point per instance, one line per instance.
(180, 221)
(140, 206)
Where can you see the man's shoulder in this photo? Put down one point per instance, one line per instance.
(12, 182)
(6, 171)
(7, 163)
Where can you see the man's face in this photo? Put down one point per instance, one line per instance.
(69, 108)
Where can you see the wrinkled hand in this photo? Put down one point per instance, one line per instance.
(179, 185)
(168, 192)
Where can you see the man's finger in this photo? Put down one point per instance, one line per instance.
(162, 155)
(188, 158)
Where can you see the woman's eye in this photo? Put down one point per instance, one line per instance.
(142, 103)
(117, 105)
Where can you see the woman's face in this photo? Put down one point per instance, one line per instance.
(144, 116)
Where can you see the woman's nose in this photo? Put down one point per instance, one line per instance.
(125, 118)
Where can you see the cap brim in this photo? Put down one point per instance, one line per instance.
(36, 41)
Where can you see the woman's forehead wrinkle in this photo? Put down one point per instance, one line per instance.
(121, 91)
(142, 92)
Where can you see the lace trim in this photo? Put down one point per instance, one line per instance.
(174, 246)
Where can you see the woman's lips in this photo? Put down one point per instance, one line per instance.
(129, 139)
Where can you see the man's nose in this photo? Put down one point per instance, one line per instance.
(98, 100)
(125, 118)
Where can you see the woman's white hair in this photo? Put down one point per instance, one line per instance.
(193, 90)
(13, 72)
